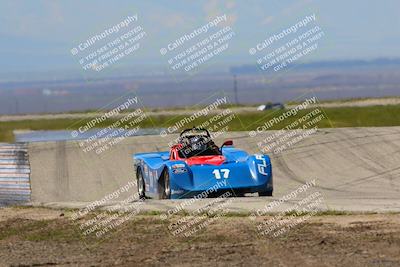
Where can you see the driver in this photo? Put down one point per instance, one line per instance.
(198, 143)
(201, 146)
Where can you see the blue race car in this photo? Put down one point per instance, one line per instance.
(195, 165)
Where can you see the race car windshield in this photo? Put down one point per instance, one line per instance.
(198, 146)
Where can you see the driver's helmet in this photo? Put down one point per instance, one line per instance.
(198, 143)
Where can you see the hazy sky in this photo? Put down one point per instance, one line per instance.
(38, 35)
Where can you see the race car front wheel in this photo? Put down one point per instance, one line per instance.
(140, 184)
(164, 189)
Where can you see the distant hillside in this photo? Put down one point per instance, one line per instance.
(339, 64)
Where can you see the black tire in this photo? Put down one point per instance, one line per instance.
(265, 194)
(238, 194)
(164, 188)
(140, 184)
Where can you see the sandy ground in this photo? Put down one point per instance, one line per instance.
(331, 104)
(43, 237)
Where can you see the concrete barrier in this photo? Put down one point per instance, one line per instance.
(14, 174)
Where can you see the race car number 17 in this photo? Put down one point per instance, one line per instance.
(221, 173)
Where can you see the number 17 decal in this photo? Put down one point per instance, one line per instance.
(217, 173)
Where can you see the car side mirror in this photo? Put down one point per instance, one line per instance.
(227, 143)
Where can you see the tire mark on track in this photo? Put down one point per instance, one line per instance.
(357, 181)
(62, 171)
(283, 166)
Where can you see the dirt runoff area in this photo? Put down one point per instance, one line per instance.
(44, 237)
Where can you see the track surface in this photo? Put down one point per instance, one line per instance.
(356, 169)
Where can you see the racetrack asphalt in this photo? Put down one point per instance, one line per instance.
(355, 169)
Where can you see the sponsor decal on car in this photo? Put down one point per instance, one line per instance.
(262, 165)
(178, 166)
(178, 171)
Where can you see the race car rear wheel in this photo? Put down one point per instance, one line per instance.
(164, 188)
(140, 184)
